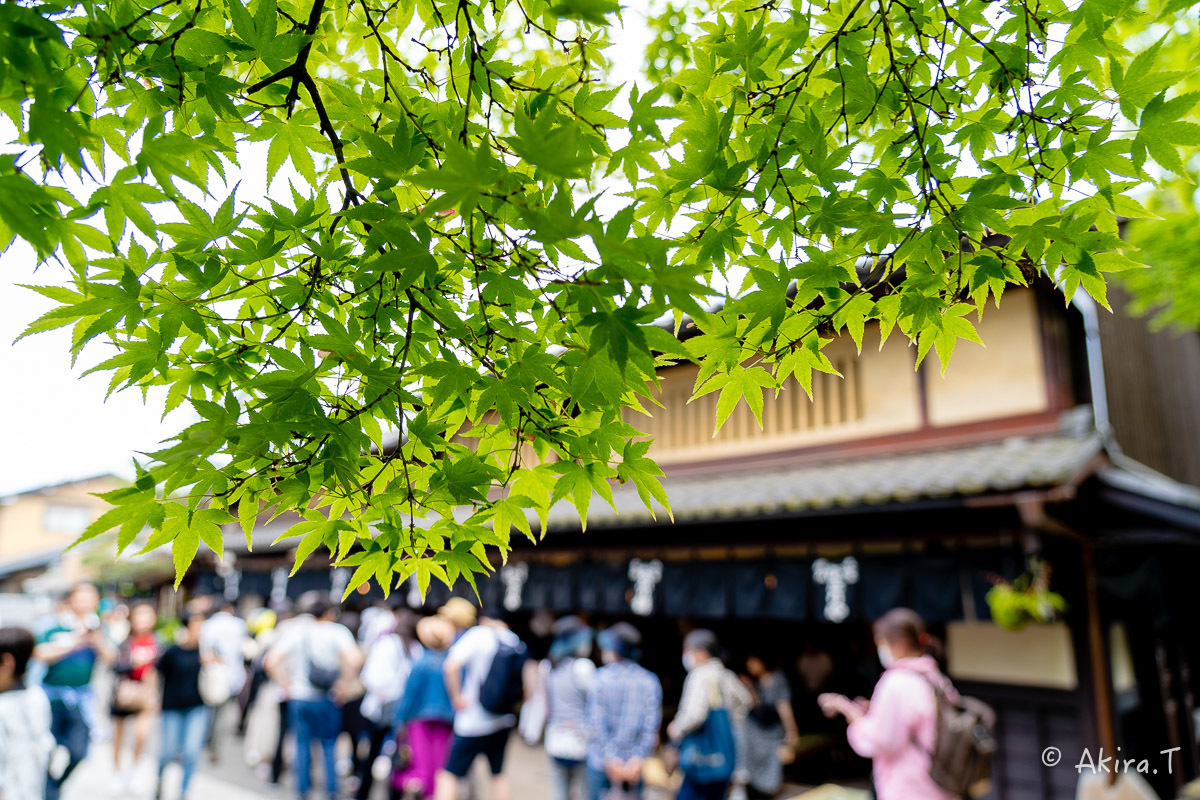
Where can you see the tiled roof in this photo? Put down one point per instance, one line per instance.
(1007, 465)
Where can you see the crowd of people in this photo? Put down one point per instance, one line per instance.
(387, 695)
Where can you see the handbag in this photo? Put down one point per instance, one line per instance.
(536, 710)
(566, 742)
(130, 696)
(216, 687)
(322, 679)
(709, 753)
(402, 757)
(765, 715)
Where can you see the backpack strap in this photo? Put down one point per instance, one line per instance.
(938, 687)
(716, 698)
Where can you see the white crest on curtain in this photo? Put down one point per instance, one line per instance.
(338, 578)
(279, 582)
(835, 577)
(645, 576)
(514, 577)
(233, 585)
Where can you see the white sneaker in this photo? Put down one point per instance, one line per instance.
(59, 759)
(122, 783)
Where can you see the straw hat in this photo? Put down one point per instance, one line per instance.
(435, 633)
(459, 611)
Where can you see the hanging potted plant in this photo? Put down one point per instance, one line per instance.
(1026, 599)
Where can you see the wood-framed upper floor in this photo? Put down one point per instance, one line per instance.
(1020, 381)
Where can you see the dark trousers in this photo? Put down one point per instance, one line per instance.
(362, 767)
(257, 678)
(279, 765)
(71, 731)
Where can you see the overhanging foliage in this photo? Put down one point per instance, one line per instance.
(479, 230)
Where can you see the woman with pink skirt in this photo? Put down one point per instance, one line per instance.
(425, 717)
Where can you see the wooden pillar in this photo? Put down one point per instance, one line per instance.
(1033, 514)
(1101, 681)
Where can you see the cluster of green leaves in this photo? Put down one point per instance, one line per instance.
(431, 335)
(1169, 292)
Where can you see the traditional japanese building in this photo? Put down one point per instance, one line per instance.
(1072, 437)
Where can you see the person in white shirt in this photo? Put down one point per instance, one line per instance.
(25, 739)
(376, 622)
(477, 731)
(315, 661)
(225, 636)
(389, 662)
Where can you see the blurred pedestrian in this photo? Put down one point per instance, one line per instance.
(485, 663)
(25, 738)
(376, 622)
(115, 618)
(313, 661)
(260, 624)
(70, 646)
(898, 727)
(425, 716)
(567, 683)
(713, 703)
(389, 661)
(770, 727)
(289, 618)
(358, 728)
(624, 712)
(185, 717)
(461, 614)
(224, 636)
(135, 695)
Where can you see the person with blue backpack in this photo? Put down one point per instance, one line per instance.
(483, 673)
(714, 702)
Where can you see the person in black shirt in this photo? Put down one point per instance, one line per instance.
(184, 715)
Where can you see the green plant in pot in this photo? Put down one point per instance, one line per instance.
(1026, 599)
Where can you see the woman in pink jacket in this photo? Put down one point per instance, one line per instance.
(897, 728)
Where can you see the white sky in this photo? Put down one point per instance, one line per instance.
(55, 424)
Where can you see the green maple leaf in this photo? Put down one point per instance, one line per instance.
(945, 333)
(550, 144)
(802, 359)
(740, 383)
(462, 178)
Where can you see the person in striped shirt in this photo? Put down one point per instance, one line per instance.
(624, 713)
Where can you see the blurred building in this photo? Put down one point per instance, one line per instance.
(1072, 437)
(38, 525)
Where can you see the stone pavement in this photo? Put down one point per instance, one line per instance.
(95, 779)
(231, 779)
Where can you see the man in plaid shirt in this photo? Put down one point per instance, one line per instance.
(623, 714)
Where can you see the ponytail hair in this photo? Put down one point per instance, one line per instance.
(903, 625)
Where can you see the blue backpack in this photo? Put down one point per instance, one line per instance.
(709, 753)
(503, 688)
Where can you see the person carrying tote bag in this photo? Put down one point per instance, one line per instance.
(714, 701)
(708, 755)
